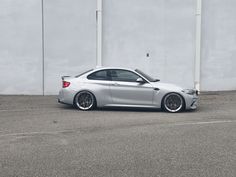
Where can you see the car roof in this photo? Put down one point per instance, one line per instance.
(102, 68)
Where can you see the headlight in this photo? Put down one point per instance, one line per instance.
(190, 91)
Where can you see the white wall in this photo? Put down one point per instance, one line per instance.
(20, 47)
(163, 28)
(218, 71)
(131, 28)
(70, 39)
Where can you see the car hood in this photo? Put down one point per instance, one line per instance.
(166, 86)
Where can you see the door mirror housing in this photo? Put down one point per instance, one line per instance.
(140, 80)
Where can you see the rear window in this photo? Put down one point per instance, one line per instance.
(84, 73)
(99, 75)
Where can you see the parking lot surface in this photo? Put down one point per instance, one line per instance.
(41, 138)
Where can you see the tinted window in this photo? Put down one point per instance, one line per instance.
(123, 75)
(99, 75)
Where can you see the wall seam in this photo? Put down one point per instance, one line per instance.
(43, 49)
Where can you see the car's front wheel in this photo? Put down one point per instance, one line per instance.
(84, 100)
(173, 102)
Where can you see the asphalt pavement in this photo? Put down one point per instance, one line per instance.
(41, 138)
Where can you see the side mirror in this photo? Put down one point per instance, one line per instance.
(140, 80)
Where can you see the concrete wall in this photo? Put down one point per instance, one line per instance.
(20, 47)
(218, 71)
(70, 39)
(163, 28)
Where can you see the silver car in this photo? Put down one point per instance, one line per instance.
(123, 87)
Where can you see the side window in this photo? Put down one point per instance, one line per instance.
(123, 75)
(99, 75)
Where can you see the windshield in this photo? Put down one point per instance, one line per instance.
(149, 78)
(84, 73)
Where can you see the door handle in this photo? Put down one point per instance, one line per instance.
(156, 89)
(115, 84)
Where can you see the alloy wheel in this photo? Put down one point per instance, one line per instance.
(173, 102)
(84, 100)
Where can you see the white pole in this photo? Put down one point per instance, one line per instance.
(99, 32)
(197, 64)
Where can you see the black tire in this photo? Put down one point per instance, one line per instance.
(173, 102)
(85, 101)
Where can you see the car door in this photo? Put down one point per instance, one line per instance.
(126, 91)
(99, 83)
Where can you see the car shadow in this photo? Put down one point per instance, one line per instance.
(128, 109)
(124, 109)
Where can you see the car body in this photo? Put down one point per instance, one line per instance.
(124, 87)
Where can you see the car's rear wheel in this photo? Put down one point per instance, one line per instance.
(173, 102)
(85, 100)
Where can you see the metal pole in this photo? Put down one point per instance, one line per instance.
(197, 63)
(99, 32)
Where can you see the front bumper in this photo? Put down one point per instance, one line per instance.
(194, 103)
(191, 101)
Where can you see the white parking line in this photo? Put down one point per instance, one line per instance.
(70, 131)
(34, 133)
(15, 110)
(202, 123)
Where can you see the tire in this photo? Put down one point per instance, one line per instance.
(173, 102)
(84, 101)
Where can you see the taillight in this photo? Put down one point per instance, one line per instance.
(65, 84)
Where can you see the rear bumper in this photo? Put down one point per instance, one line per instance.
(60, 101)
(66, 96)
